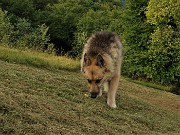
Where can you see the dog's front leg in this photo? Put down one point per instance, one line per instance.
(111, 101)
(106, 86)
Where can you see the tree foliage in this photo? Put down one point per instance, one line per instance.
(62, 21)
(22, 35)
(136, 33)
(164, 49)
(103, 17)
(6, 28)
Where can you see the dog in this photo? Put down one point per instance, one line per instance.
(101, 64)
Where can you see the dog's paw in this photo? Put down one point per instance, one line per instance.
(112, 105)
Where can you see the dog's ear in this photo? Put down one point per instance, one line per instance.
(100, 61)
(87, 60)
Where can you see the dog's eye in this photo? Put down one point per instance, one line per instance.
(89, 81)
(98, 81)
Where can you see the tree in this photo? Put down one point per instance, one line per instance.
(20, 9)
(164, 51)
(104, 16)
(42, 4)
(6, 28)
(136, 34)
(62, 19)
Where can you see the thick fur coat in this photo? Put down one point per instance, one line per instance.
(101, 64)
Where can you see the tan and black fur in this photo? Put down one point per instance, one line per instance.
(101, 64)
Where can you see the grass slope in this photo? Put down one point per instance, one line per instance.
(37, 59)
(38, 101)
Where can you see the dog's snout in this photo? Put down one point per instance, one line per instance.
(94, 94)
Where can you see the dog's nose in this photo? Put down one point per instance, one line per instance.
(94, 94)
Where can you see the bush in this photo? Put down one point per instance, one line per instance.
(23, 35)
(163, 56)
(61, 19)
(164, 50)
(103, 19)
(6, 28)
(135, 35)
(80, 40)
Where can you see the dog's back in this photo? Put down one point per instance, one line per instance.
(102, 42)
(106, 44)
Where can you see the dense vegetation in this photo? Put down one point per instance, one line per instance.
(149, 30)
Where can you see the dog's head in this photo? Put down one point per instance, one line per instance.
(94, 70)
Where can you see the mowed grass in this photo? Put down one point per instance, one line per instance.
(47, 101)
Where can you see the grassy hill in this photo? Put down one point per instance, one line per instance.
(50, 99)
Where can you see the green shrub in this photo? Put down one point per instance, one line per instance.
(164, 50)
(23, 35)
(80, 40)
(6, 28)
(105, 18)
(136, 32)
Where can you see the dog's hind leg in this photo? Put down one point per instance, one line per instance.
(111, 101)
